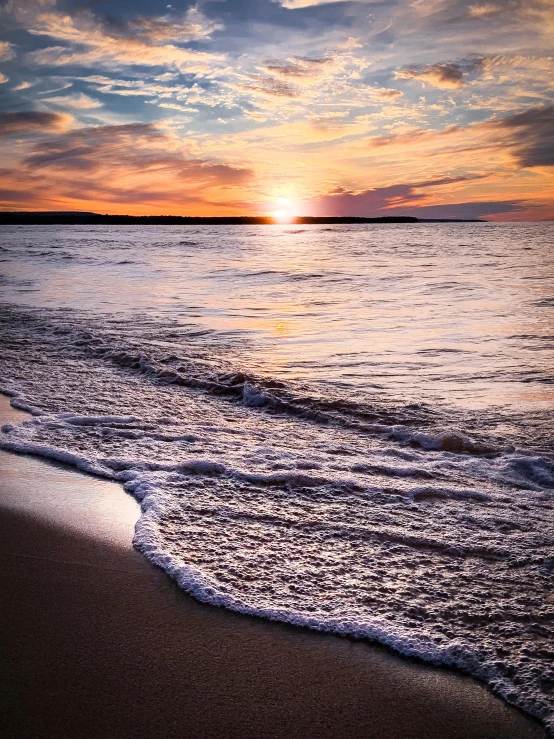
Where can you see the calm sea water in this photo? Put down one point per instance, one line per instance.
(347, 428)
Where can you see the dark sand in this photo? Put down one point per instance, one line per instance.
(96, 642)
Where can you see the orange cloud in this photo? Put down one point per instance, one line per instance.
(302, 104)
(528, 137)
(107, 166)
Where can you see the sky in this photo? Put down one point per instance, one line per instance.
(429, 108)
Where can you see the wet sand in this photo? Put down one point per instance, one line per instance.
(96, 642)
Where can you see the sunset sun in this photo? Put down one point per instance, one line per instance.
(284, 210)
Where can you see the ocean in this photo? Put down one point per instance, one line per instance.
(347, 428)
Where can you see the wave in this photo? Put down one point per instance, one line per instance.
(263, 544)
(339, 513)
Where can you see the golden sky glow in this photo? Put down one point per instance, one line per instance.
(439, 108)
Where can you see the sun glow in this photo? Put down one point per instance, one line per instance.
(283, 213)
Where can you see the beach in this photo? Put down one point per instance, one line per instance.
(98, 642)
(277, 369)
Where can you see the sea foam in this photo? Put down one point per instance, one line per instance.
(385, 522)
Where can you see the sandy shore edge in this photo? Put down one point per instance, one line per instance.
(96, 642)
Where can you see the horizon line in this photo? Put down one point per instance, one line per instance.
(82, 217)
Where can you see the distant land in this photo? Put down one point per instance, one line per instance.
(77, 218)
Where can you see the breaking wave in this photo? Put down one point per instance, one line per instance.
(354, 515)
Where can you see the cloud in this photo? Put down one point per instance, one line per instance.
(469, 210)
(298, 67)
(87, 149)
(492, 26)
(412, 199)
(255, 115)
(22, 86)
(7, 51)
(271, 86)
(142, 29)
(524, 139)
(80, 102)
(27, 7)
(446, 75)
(3, 78)
(290, 76)
(32, 121)
(191, 26)
(176, 106)
(301, 90)
(380, 200)
(96, 41)
(130, 87)
(411, 136)
(485, 11)
(386, 93)
(295, 4)
(113, 55)
(517, 11)
(136, 164)
(306, 81)
(530, 134)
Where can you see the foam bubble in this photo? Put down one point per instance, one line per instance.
(320, 512)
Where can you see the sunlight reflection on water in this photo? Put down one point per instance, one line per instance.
(457, 312)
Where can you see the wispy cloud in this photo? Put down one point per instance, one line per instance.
(375, 201)
(345, 103)
(78, 101)
(7, 51)
(270, 86)
(95, 41)
(117, 164)
(530, 134)
(299, 67)
(22, 86)
(295, 4)
(32, 121)
(446, 75)
(528, 137)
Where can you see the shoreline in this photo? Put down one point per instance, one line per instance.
(99, 642)
(21, 218)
